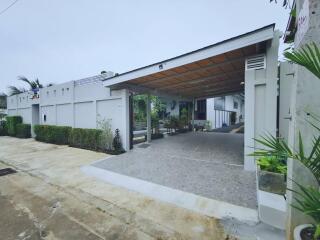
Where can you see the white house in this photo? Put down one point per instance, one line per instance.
(78, 104)
(244, 64)
(219, 111)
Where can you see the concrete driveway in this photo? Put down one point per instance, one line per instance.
(51, 198)
(208, 164)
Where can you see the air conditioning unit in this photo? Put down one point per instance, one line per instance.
(256, 62)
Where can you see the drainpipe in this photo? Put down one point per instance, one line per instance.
(148, 118)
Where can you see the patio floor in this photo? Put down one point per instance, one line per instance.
(204, 163)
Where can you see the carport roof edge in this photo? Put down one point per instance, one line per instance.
(259, 35)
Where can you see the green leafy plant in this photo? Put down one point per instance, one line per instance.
(85, 138)
(23, 130)
(106, 138)
(307, 198)
(308, 201)
(155, 123)
(12, 122)
(184, 117)
(3, 128)
(272, 164)
(52, 134)
(307, 56)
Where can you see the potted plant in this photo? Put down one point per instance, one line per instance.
(308, 202)
(272, 174)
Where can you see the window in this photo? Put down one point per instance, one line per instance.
(47, 93)
(235, 105)
(201, 109)
(62, 90)
(44, 117)
(55, 92)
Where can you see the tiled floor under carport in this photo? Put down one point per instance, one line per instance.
(204, 163)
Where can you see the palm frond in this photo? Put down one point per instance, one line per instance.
(273, 146)
(307, 56)
(13, 90)
(39, 85)
(307, 201)
(32, 84)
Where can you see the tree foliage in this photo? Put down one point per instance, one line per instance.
(307, 56)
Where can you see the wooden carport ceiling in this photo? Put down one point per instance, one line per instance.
(218, 75)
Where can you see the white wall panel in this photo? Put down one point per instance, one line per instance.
(64, 115)
(49, 112)
(25, 113)
(85, 115)
(111, 110)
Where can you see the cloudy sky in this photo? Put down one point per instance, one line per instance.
(59, 40)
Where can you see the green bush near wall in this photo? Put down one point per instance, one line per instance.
(12, 122)
(23, 130)
(3, 128)
(91, 139)
(52, 134)
(85, 138)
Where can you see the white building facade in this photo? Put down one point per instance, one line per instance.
(78, 104)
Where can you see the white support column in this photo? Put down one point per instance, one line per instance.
(249, 163)
(125, 129)
(148, 118)
(193, 108)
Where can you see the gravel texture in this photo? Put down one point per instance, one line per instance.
(205, 163)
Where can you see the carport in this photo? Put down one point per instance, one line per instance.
(246, 63)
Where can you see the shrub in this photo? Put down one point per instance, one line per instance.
(12, 122)
(116, 144)
(3, 128)
(272, 164)
(23, 130)
(86, 138)
(106, 138)
(52, 134)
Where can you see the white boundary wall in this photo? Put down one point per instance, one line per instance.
(75, 105)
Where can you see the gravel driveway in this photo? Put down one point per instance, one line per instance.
(207, 164)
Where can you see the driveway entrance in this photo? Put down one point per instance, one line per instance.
(208, 164)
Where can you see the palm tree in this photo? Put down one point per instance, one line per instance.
(33, 85)
(13, 90)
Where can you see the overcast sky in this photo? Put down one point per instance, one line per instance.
(63, 40)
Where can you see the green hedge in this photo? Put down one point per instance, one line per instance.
(12, 122)
(85, 138)
(52, 134)
(91, 139)
(23, 130)
(3, 128)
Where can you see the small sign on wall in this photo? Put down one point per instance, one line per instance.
(303, 23)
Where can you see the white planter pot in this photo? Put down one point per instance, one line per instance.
(298, 229)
